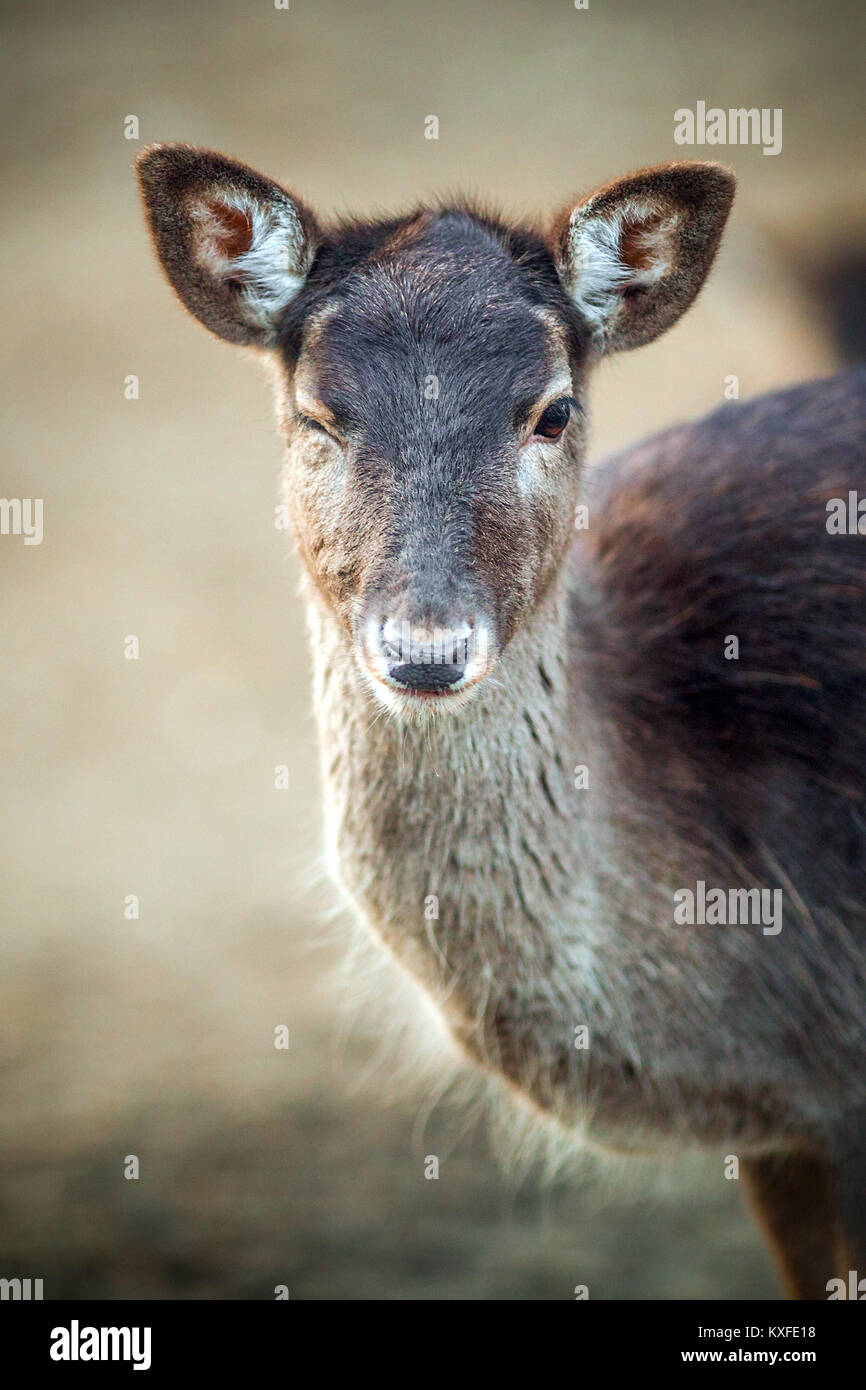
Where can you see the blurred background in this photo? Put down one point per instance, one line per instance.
(154, 1036)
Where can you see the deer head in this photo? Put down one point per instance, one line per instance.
(433, 376)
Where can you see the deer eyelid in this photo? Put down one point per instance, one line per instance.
(311, 423)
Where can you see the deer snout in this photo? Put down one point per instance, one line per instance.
(425, 660)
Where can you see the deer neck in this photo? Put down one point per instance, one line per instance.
(457, 839)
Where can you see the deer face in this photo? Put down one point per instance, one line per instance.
(433, 376)
(433, 442)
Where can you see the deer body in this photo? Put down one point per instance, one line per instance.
(555, 902)
(556, 740)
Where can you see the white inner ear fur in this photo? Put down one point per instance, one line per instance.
(274, 267)
(596, 273)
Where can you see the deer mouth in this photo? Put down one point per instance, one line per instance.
(400, 699)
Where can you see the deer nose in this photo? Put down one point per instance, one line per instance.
(419, 677)
(431, 659)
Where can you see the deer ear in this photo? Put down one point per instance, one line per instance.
(633, 255)
(235, 246)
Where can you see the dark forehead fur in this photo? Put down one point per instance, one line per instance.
(452, 278)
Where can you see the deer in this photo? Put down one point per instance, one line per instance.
(543, 729)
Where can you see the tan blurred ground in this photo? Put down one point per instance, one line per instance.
(156, 777)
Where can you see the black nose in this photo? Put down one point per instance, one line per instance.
(426, 658)
(416, 677)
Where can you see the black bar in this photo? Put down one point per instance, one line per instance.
(224, 1338)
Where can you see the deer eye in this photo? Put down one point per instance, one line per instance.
(554, 419)
(308, 422)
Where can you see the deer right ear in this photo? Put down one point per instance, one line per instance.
(235, 246)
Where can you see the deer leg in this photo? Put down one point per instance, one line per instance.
(849, 1181)
(792, 1196)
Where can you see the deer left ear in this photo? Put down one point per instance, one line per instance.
(235, 246)
(633, 255)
